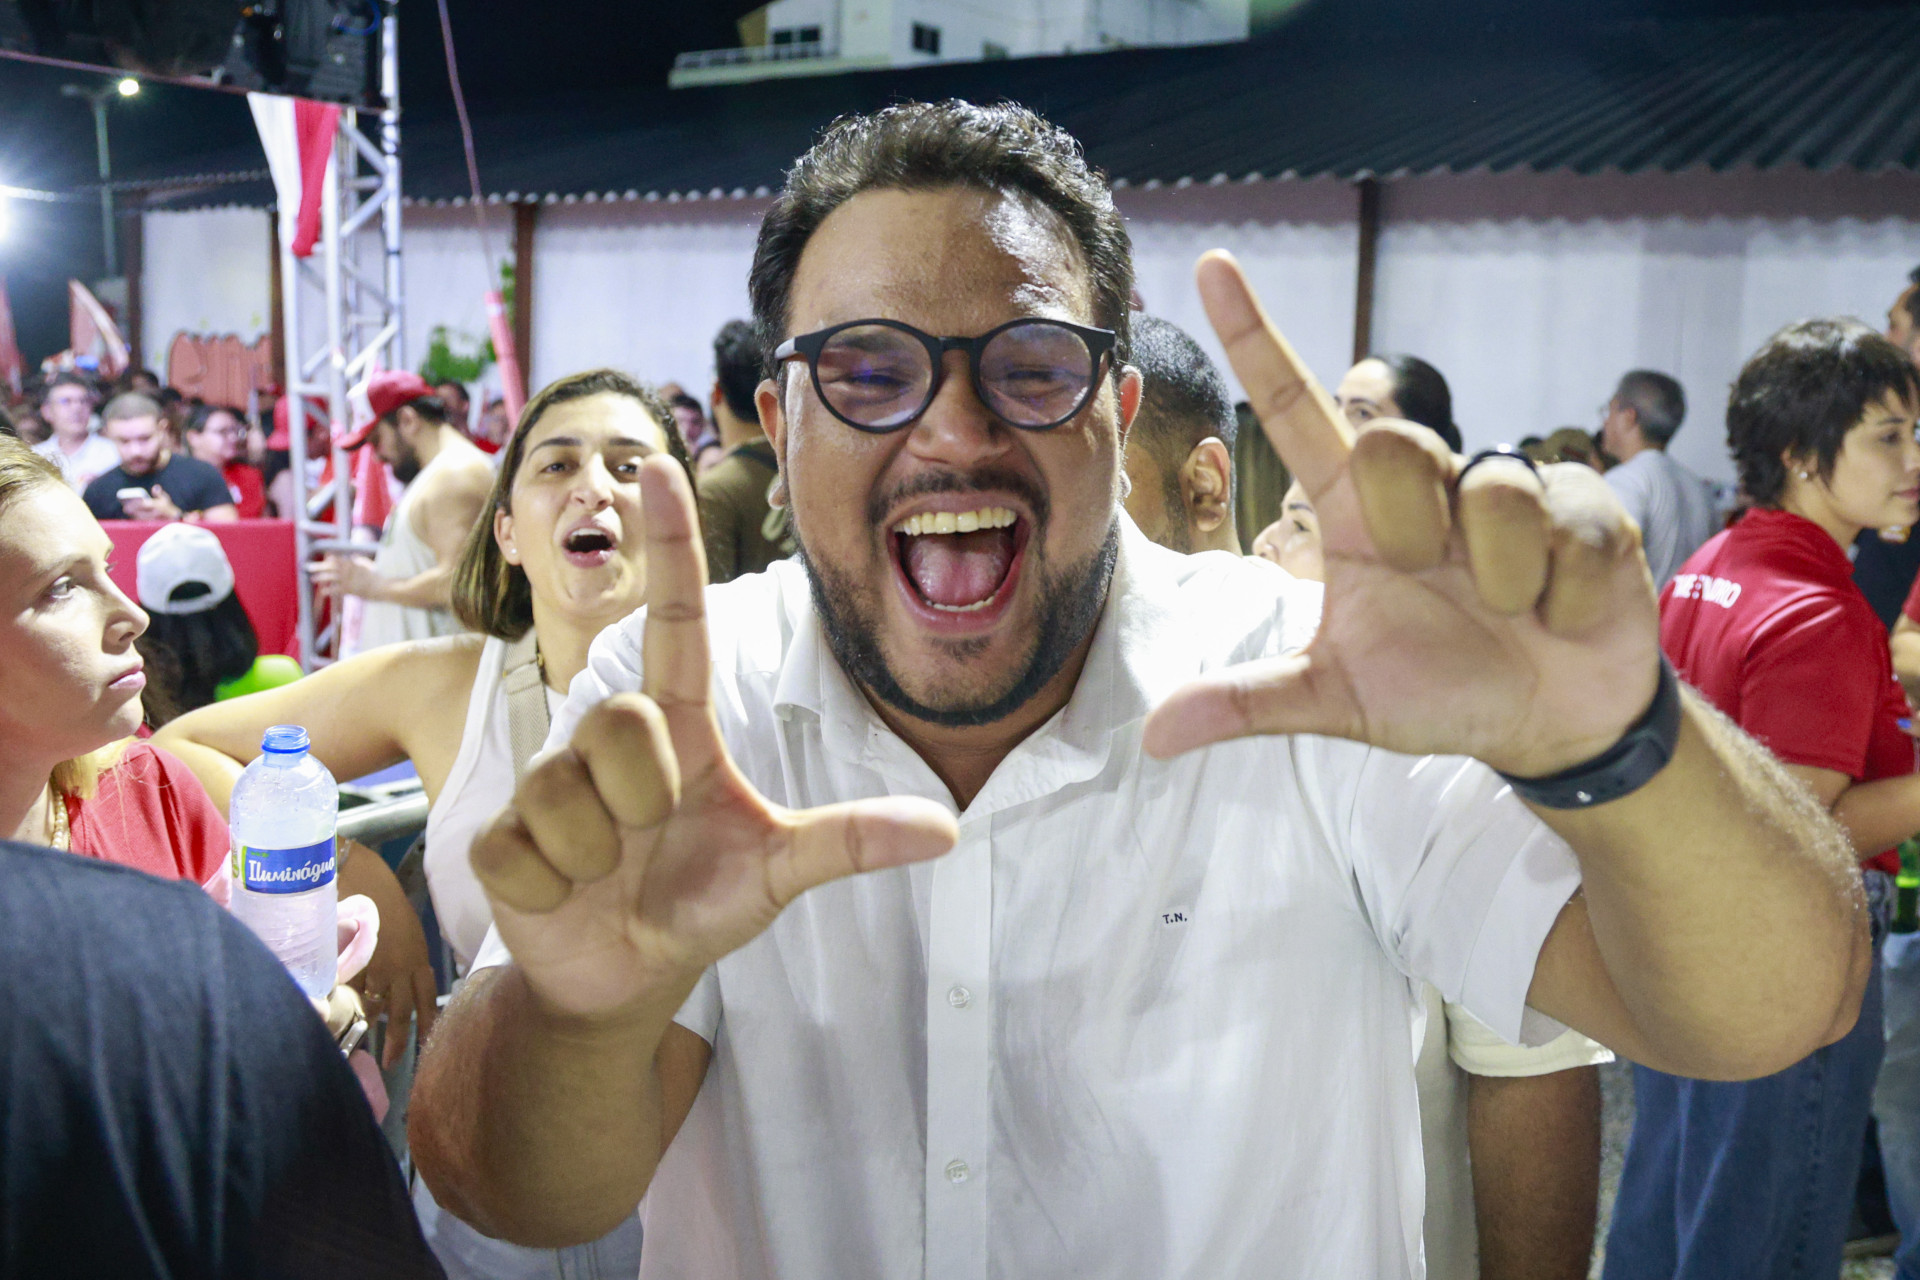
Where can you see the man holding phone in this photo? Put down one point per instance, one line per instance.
(152, 482)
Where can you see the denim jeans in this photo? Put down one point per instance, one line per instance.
(1751, 1180)
(1896, 1098)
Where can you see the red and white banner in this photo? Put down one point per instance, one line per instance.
(297, 136)
(92, 332)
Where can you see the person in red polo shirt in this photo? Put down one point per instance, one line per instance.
(1756, 1179)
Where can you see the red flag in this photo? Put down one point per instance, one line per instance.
(313, 124)
(12, 366)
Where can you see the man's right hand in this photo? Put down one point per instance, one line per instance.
(630, 861)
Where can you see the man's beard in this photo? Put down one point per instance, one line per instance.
(1069, 609)
(407, 465)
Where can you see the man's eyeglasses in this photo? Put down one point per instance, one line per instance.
(880, 375)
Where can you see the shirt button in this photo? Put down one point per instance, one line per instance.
(959, 997)
(957, 1172)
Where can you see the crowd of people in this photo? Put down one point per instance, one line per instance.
(966, 797)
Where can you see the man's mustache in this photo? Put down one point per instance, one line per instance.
(983, 481)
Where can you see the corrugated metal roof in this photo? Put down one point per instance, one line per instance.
(1821, 91)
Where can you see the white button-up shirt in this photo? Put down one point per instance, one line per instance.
(1148, 1018)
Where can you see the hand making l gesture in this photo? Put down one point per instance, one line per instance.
(1504, 615)
(631, 861)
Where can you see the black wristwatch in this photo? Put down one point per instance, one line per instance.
(1621, 769)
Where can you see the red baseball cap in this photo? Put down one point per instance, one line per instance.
(381, 395)
(281, 409)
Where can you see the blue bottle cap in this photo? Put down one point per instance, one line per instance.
(286, 739)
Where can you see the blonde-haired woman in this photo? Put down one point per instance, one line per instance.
(70, 685)
(557, 557)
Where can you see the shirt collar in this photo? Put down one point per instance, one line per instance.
(1138, 656)
(1775, 525)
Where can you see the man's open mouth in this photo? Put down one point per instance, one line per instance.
(960, 561)
(589, 546)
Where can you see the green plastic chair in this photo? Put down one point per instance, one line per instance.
(269, 671)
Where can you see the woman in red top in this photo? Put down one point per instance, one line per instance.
(1756, 1179)
(217, 436)
(70, 682)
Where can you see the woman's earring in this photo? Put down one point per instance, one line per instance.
(1803, 475)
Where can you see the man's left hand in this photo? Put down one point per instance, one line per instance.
(348, 576)
(1507, 616)
(157, 506)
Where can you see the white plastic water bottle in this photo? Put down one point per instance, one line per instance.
(284, 810)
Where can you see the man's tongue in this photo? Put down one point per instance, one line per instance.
(959, 569)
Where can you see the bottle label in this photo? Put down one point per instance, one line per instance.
(284, 870)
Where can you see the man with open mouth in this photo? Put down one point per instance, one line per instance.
(1125, 989)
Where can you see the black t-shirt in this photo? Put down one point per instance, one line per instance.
(192, 484)
(172, 1105)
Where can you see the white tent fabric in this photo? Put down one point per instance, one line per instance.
(1531, 293)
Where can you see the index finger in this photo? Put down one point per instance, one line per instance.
(674, 643)
(1295, 411)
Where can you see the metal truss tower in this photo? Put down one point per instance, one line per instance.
(342, 313)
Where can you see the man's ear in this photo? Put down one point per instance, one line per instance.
(1206, 484)
(773, 421)
(1132, 387)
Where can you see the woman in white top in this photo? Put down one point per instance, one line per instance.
(561, 557)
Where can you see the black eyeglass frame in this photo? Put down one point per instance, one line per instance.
(808, 346)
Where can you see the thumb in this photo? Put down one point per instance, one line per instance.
(866, 835)
(1283, 695)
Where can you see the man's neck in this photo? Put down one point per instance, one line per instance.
(735, 430)
(431, 444)
(964, 758)
(1631, 449)
(1222, 537)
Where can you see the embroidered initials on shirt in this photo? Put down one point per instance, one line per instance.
(1701, 586)
(1173, 917)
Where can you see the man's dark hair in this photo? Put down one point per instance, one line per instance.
(1423, 396)
(66, 378)
(1656, 400)
(432, 408)
(1183, 400)
(1802, 392)
(738, 368)
(923, 146)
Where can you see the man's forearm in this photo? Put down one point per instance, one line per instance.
(1535, 1147)
(537, 1129)
(432, 589)
(1726, 906)
(1879, 815)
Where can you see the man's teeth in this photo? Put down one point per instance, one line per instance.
(956, 521)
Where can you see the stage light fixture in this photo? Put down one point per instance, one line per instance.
(329, 50)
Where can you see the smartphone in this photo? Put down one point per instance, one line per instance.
(131, 495)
